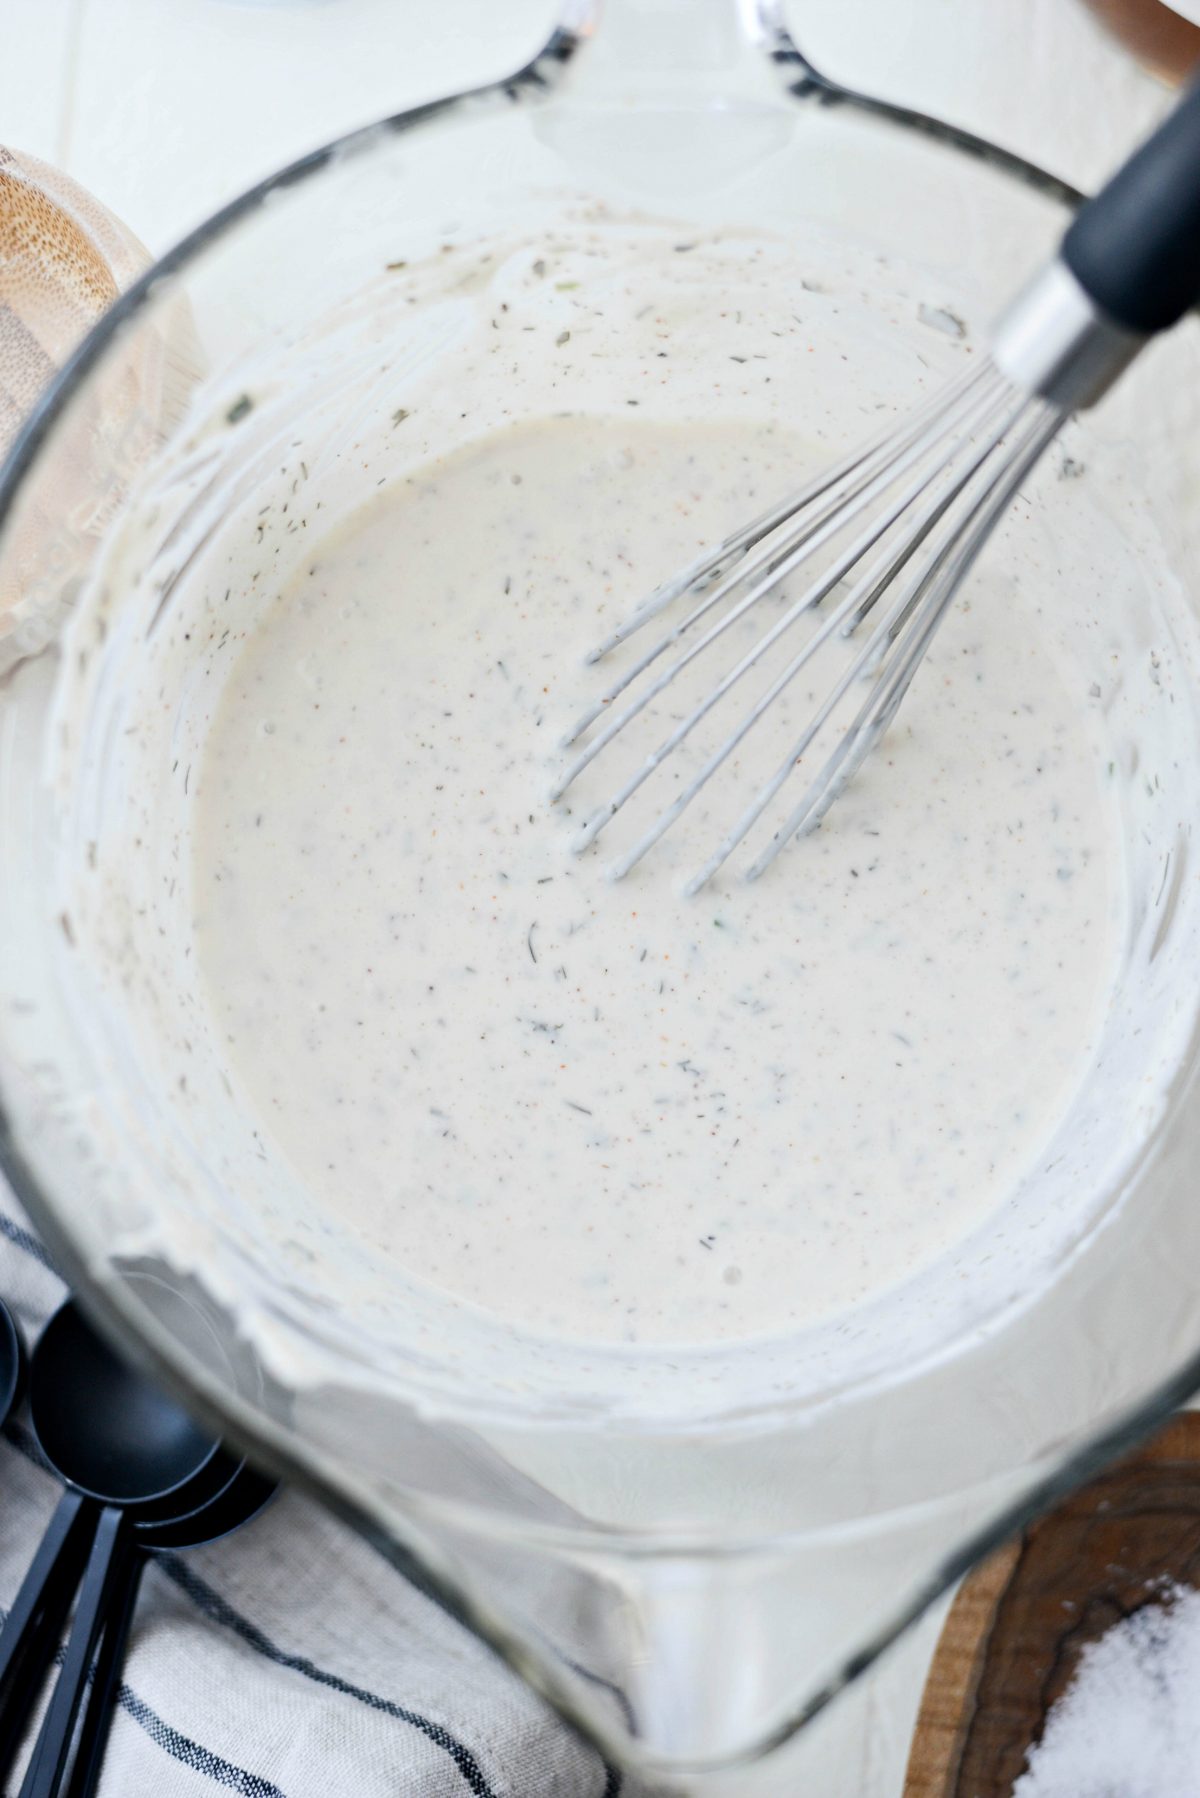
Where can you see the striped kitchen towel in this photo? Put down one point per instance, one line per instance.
(291, 1661)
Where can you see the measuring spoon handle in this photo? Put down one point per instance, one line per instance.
(106, 1679)
(30, 1636)
(101, 1582)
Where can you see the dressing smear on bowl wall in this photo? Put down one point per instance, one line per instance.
(889, 1074)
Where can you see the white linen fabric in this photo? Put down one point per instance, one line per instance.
(290, 1660)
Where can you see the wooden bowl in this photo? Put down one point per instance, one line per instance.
(1012, 1641)
(64, 259)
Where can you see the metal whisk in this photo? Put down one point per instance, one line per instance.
(889, 533)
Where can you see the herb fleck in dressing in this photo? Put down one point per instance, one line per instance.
(607, 1111)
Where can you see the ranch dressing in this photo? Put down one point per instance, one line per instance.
(607, 1111)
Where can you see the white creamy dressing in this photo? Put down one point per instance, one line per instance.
(512, 1133)
(605, 1110)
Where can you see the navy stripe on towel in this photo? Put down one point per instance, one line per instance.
(181, 1748)
(219, 1610)
(25, 1240)
(192, 1754)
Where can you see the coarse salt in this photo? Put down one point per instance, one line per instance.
(1128, 1726)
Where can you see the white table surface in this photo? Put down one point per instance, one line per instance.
(166, 108)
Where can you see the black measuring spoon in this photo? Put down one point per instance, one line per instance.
(244, 1495)
(122, 1448)
(13, 1370)
(12, 1364)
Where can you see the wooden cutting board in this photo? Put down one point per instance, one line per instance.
(1014, 1633)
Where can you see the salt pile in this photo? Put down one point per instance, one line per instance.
(1129, 1724)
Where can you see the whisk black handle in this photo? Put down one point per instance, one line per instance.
(1135, 248)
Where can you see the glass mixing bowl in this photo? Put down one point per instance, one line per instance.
(691, 1579)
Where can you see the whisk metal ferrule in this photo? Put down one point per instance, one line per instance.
(1054, 341)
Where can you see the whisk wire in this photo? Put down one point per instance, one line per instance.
(922, 500)
(926, 608)
(885, 444)
(846, 617)
(779, 562)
